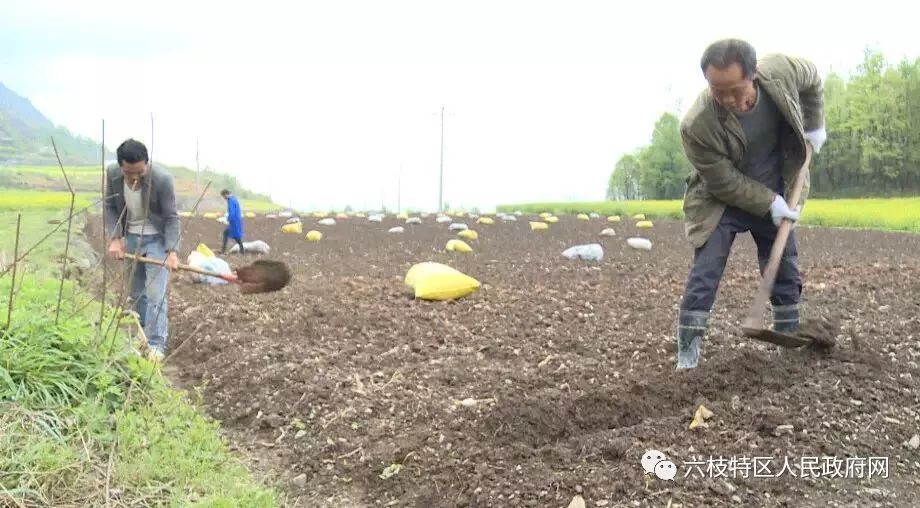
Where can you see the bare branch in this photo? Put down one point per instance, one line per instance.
(73, 197)
(102, 250)
(9, 312)
(67, 180)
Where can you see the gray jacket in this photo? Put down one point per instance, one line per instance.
(163, 215)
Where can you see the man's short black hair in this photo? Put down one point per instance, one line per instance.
(225, 192)
(723, 53)
(131, 151)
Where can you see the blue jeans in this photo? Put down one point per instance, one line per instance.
(148, 288)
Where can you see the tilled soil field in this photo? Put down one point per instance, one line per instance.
(350, 391)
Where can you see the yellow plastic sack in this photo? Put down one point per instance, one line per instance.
(552, 220)
(320, 215)
(468, 234)
(458, 246)
(583, 216)
(436, 281)
(538, 226)
(341, 216)
(639, 216)
(644, 224)
(210, 215)
(486, 220)
(204, 250)
(292, 228)
(402, 216)
(613, 218)
(250, 215)
(545, 215)
(314, 236)
(186, 214)
(361, 215)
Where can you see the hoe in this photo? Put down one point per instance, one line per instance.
(262, 276)
(810, 334)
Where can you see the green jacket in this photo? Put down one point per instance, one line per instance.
(714, 143)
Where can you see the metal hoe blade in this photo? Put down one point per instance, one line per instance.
(778, 338)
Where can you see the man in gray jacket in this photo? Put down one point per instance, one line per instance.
(141, 217)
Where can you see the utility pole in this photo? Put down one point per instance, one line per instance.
(399, 191)
(441, 181)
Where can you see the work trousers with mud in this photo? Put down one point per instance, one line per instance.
(709, 264)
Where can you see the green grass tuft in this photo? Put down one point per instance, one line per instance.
(68, 409)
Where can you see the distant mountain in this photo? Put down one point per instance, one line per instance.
(27, 160)
(25, 136)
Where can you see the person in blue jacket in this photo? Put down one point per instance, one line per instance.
(234, 229)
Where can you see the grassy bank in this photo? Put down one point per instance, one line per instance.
(85, 421)
(892, 214)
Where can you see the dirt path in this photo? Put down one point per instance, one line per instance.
(571, 365)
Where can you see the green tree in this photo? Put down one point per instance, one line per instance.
(831, 170)
(663, 165)
(624, 179)
(873, 142)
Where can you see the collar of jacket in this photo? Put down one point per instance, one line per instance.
(786, 105)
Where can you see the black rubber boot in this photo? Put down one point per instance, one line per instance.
(691, 327)
(786, 318)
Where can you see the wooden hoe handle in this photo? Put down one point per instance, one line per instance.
(779, 245)
(187, 268)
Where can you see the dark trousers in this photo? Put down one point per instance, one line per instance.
(239, 241)
(710, 259)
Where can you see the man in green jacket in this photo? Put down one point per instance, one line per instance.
(745, 137)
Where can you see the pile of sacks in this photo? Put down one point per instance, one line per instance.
(204, 259)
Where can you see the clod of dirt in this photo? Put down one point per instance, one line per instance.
(615, 449)
(263, 276)
(914, 442)
(577, 502)
(700, 417)
(822, 332)
(272, 421)
(722, 488)
(300, 480)
(769, 421)
(783, 429)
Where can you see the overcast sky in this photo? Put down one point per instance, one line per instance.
(323, 104)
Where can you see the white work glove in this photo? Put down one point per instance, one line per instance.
(779, 210)
(817, 138)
